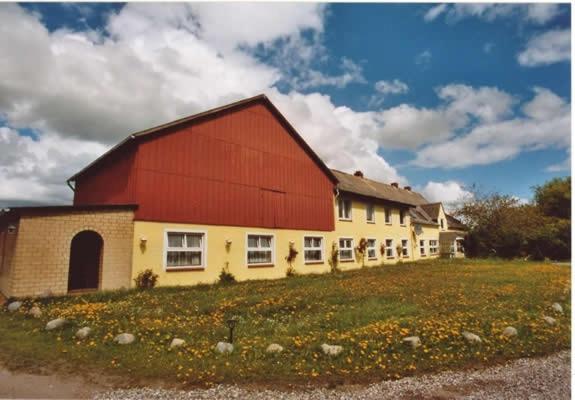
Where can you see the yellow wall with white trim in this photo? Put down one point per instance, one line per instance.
(427, 233)
(150, 253)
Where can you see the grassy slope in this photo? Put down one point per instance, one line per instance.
(368, 312)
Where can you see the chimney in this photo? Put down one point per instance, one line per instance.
(358, 173)
(395, 185)
(407, 188)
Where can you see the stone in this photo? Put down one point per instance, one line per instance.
(471, 337)
(124, 338)
(331, 350)
(557, 308)
(35, 312)
(14, 306)
(55, 324)
(177, 343)
(509, 332)
(83, 333)
(413, 341)
(45, 294)
(274, 348)
(224, 347)
(550, 320)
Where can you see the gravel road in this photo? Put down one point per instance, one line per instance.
(546, 378)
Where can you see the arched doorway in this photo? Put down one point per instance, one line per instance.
(85, 260)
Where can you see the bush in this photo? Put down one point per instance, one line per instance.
(146, 279)
(226, 276)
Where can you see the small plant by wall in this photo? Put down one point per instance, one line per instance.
(290, 258)
(361, 249)
(226, 277)
(333, 260)
(146, 279)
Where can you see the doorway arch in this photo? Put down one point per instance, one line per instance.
(85, 261)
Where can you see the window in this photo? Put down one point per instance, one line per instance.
(345, 249)
(422, 248)
(344, 208)
(371, 250)
(387, 216)
(313, 249)
(441, 222)
(389, 248)
(405, 247)
(401, 217)
(433, 247)
(185, 250)
(260, 249)
(370, 213)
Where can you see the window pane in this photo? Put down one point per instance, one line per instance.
(266, 242)
(184, 258)
(260, 257)
(307, 242)
(175, 239)
(194, 240)
(312, 255)
(371, 253)
(370, 242)
(345, 254)
(317, 242)
(252, 241)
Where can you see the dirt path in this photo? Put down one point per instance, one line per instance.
(537, 378)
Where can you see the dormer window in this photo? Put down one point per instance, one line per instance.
(401, 217)
(344, 209)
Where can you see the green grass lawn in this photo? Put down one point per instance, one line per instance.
(368, 312)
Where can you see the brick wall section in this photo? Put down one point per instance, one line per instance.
(42, 252)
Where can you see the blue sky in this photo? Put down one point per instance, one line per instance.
(440, 97)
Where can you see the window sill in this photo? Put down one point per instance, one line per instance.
(346, 219)
(261, 265)
(185, 269)
(388, 223)
(313, 262)
(372, 259)
(402, 224)
(347, 261)
(371, 222)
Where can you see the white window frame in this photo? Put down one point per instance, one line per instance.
(402, 212)
(322, 248)
(424, 254)
(390, 247)
(387, 210)
(203, 249)
(406, 247)
(367, 206)
(352, 248)
(273, 260)
(374, 248)
(343, 200)
(436, 247)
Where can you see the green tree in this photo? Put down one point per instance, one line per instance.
(554, 197)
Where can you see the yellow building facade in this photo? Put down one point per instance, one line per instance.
(373, 226)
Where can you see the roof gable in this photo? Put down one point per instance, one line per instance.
(213, 113)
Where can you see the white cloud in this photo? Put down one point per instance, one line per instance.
(384, 88)
(409, 127)
(83, 91)
(537, 14)
(434, 12)
(448, 192)
(541, 13)
(547, 125)
(394, 87)
(547, 48)
(423, 59)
